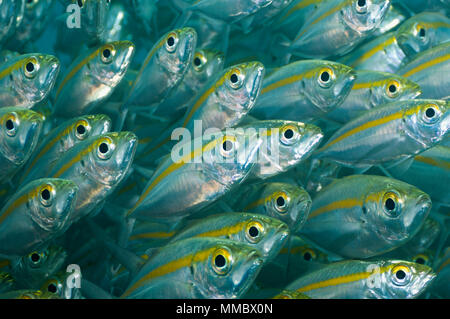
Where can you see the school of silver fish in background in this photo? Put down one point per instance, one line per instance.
(356, 204)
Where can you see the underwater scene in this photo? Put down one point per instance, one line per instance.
(224, 149)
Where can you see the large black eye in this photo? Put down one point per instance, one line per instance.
(197, 61)
(81, 129)
(103, 148)
(227, 146)
(280, 201)
(422, 33)
(9, 125)
(392, 88)
(361, 3)
(170, 41)
(35, 257)
(45, 194)
(288, 134)
(51, 288)
(30, 67)
(389, 204)
(325, 77)
(400, 275)
(253, 231)
(234, 78)
(106, 53)
(420, 260)
(220, 261)
(430, 112)
(80, 3)
(361, 6)
(307, 256)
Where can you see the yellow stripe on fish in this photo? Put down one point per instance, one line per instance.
(433, 162)
(18, 202)
(299, 6)
(427, 65)
(391, 40)
(152, 235)
(342, 280)
(171, 267)
(287, 81)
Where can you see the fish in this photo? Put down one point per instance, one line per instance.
(197, 176)
(422, 32)
(96, 165)
(27, 79)
(222, 104)
(197, 268)
(39, 211)
(205, 65)
(286, 202)
(58, 285)
(91, 78)
(163, 69)
(371, 89)
(10, 18)
(28, 294)
(21, 130)
(263, 233)
(390, 134)
(336, 27)
(303, 90)
(362, 216)
(428, 69)
(62, 138)
(393, 279)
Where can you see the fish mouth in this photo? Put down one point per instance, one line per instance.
(50, 76)
(256, 79)
(302, 208)
(310, 141)
(244, 276)
(187, 45)
(127, 50)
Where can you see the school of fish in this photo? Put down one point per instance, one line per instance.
(180, 149)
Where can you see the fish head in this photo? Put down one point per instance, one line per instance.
(429, 121)
(229, 269)
(264, 233)
(230, 155)
(424, 258)
(110, 156)
(327, 84)
(418, 33)
(239, 86)
(58, 285)
(395, 211)
(287, 203)
(20, 131)
(176, 50)
(87, 126)
(206, 64)
(52, 201)
(38, 264)
(111, 62)
(365, 16)
(394, 88)
(34, 75)
(403, 279)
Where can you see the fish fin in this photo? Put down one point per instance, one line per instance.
(398, 167)
(359, 170)
(132, 262)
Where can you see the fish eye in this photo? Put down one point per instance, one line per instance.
(11, 125)
(52, 288)
(431, 114)
(221, 261)
(199, 61)
(80, 3)
(254, 231)
(309, 255)
(326, 77)
(392, 89)
(107, 54)
(401, 275)
(171, 42)
(236, 79)
(420, 259)
(227, 146)
(46, 195)
(105, 148)
(421, 31)
(34, 258)
(289, 134)
(281, 201)
(30, 67)
(391, 205)
(81, 129)
(361, 6)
